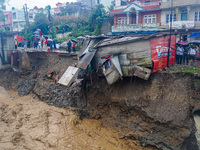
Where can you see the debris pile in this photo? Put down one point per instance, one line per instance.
(59, 96)
(26, 86)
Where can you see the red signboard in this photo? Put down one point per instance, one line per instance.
(19, 38)
(159, 52)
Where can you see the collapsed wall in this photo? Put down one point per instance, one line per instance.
(157, 113)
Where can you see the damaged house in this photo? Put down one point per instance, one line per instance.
(118, 57)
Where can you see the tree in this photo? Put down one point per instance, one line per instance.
(2, 8)
(2, 18)
(95, 17)
(40, 22)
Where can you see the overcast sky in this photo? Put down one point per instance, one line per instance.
(18, 4)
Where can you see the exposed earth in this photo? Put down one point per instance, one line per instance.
(130, 114)
(33, 125)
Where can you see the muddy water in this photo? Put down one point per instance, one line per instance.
(29, 124)
(197, 123)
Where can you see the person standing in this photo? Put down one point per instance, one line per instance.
(16, 44)
(185, 55)
(56, 30)
(193, 53)
(51, 46)
(54, 43)
(39, 44)
(45, 42)
(74, 47)
(35, 44)
(25, 44)
(69, 44)
(42, 42)
(179, 54)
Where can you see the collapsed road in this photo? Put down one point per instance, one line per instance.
(153, 114)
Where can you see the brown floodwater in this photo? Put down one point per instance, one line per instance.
(30, 124)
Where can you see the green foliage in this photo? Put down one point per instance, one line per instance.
(40, 22)
(63, 26)
(2, 8)
(28, 36)
(61, 40)
(98, 26)
(190, 70)
(53, 31)
(98, 12)
(92, 25)
(110, 8)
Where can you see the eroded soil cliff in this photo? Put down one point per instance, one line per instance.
(154, 114)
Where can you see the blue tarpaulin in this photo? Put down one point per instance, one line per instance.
(194, 34)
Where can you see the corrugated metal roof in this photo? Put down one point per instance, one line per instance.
(127, 39)
(87, 58)
(84, 46)
(116, 41)
(151, 7)
(116, 11)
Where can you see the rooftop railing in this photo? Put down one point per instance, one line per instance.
(147, 3)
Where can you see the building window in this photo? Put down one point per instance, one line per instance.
(6, 17)
(170, 17)
(14, 15)
(184, 15)
(122, 20)
(197, 16)
(30, 15)
(15, 25)
(147, 3)
(149, 18)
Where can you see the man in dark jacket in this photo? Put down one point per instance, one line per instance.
(69, 44)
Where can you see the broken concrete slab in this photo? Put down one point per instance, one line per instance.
(69, 76)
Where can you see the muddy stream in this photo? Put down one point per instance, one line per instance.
(30, 124)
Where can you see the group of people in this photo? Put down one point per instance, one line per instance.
(70, 45)
(38, 44)
(23, 43)
(185, 54)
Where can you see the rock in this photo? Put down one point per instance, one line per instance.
(25, 86)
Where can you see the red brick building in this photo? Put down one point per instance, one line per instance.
(8, 20)
(137, 16)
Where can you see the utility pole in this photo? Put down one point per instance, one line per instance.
(26, 18)
(2, 56)
(171, 18)
(49, 18)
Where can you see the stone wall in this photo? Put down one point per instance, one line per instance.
(107, 26)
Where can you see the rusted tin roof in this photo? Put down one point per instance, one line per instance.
(87, 58)
(84, 46)
(127, 39)
(88, 53)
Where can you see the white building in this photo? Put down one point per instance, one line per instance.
(93, 3)
(106, 3)
(185, 16)
(18, 20)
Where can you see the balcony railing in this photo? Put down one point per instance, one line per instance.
(147, 4)
(136, 27)
(179, 3)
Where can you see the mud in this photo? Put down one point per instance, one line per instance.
(33, 125)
